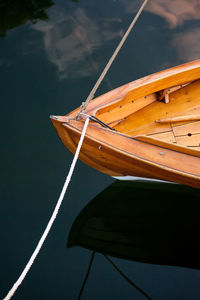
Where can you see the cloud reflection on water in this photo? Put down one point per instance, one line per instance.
(178, 13)
(175, 12)
(71, 39)
(187, 44)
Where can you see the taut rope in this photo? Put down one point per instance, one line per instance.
(118, 270)
(68, 178)
(107, 67)
(127, 279)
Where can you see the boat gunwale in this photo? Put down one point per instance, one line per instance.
(136, 157)
(146, 81)
(117, 95)
(148, 140)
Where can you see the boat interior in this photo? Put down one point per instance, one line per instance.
(171, 115)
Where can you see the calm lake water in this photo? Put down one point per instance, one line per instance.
(51, 54)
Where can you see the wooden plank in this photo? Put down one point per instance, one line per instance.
(154, 83)
(144, 151)
(162, 94)
(145, 86)
(180, 101)
(163, 144)
(185, 129)
(153, 128)
(192, 111)
(189, 140)
(195, 148)
(165, 136)
(122, 111)
(121, 155)
(179, 119)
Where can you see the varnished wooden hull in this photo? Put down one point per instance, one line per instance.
(118, 154)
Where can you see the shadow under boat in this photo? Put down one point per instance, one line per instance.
(149, 222)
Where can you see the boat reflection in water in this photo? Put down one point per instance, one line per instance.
(149, 222)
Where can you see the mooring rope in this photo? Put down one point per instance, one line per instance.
(68, 178)
(117, 269)
(107, 67)
(127, 279)
(53, 217)
(86, 275)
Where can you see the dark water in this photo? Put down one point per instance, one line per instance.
(50, 56)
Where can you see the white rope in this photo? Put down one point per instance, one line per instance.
(108, 65)
(53, 217)
(68, 178)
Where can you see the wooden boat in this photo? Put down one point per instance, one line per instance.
(149, 222)
(154, 128)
